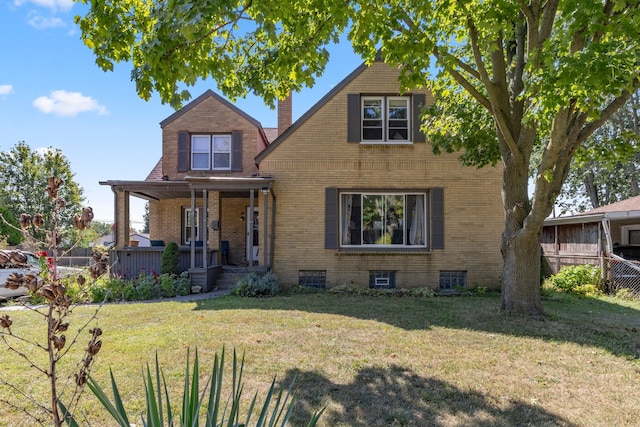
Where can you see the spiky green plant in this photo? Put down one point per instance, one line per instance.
(276, 409)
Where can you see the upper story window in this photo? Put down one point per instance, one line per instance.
(211, 152)
(385, 119)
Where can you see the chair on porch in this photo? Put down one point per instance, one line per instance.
(224, 251)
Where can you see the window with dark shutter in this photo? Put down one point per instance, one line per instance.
(236, 151)
(353, 117)
(331, 218)
(183, 151)
(417, 102)
(437, 218)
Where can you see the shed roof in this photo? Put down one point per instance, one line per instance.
(631, 204)
(624, 209)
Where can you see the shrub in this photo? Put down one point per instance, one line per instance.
(98, 291)
(577, 279)
(182, 284)
(257, 285)
(355, 290)
(166, 283)
(170, 259)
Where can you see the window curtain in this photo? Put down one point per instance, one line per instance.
(347, 205)
(417, 232)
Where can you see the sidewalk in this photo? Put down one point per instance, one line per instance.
(216, 293)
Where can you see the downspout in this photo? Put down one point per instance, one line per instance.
(265, 252)
(273, 228)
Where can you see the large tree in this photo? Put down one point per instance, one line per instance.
(606, 168)
(24, 175)
(544, 72)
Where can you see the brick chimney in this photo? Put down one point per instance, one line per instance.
(285, 114)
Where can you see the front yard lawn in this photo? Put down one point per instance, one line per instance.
(382, 361)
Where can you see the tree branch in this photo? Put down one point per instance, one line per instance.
(502, 121)
(606, 113)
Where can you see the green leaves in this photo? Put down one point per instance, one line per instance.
(275, 411)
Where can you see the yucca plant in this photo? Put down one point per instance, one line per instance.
(276, 409)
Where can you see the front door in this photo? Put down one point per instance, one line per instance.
(252, 234)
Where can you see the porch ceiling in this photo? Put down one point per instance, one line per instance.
(158, 190)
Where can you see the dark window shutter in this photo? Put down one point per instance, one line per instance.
(331, 218)
(236, 151)
(183, 151)
(417, 102)
(437, 218)
(353, 117)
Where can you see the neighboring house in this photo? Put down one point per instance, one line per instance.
(349, 193)
(592, 236)
(142, 238)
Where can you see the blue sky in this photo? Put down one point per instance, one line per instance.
(53, 95)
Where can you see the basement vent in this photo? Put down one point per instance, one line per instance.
(312, 278)
(382, 279)
(450, 280)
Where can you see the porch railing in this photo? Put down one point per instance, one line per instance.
(131, 261)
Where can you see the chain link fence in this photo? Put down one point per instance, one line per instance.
(621, 274)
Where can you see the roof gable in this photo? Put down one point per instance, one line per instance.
(200, 99)
(317, 106)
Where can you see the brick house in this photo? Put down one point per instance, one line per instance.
(349, 193)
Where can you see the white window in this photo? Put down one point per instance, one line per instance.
(211, 152)
(630, 234)
(385, 119)
(186, 232)
(378, 219)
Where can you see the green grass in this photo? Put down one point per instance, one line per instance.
(383, 361)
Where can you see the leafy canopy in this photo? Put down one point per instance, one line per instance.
(544, 75)
(24, 175)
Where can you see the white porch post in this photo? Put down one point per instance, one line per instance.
(250, 230)
(205, 221)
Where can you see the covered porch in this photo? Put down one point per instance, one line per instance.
(213, 220)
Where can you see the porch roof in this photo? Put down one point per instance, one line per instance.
(158, 190)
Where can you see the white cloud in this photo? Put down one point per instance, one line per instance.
(5, 90)
(43, 23)
(49, 4)
(66, 104)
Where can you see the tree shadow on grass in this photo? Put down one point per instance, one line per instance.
(396, 396)
(585, 321)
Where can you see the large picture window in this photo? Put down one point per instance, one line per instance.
(211, 152)
(383, 219)
(385, 119)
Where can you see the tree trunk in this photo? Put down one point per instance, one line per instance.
(520, 242)
(521, 274)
